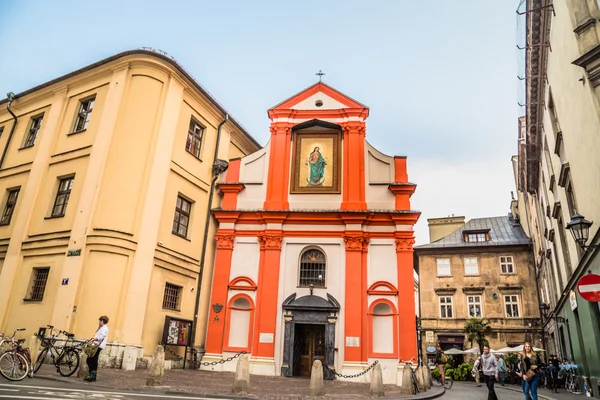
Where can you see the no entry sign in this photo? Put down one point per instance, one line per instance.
(589, 287)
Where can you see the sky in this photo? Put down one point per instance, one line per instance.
(440, 77)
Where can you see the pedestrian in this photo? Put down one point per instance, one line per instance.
(553, 370)
(490, 371)
(440, 360)
(100, 338)
(520, 372)
(476, 371)
(531, 375)
(502, 368)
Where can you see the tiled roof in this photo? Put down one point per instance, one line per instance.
(504, 231)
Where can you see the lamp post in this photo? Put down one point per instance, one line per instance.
(580, 229)
(545, 309)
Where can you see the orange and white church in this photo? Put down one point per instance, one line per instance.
(314, 254)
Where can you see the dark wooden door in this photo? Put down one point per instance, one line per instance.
(310, 343)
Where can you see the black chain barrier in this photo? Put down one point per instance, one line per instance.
(206, 363)
(333, 371)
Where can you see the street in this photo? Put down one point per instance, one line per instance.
(46, 390)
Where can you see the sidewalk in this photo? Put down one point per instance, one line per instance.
(544, 393)
(219, 384)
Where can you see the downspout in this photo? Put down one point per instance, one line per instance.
(218, 168)
(11, 97)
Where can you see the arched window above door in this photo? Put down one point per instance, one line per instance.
(313, 266)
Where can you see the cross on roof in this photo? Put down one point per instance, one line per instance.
(320, 75)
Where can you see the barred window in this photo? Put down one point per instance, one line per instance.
(312, 268)
(9, 208)
(38, 285)
(62, 197)
(34, 128)
(84, 114)
(171, 299)
(194, 138)
(181, 219)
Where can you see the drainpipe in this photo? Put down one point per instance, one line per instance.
(218, 167)
(11, 97)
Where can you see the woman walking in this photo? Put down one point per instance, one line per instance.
(440, 360)
(489, 366)
(100, 338)
(531, 376)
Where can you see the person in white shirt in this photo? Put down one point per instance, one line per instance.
(100, 338)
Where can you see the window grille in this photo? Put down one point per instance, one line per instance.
(40, 278)
(171, 297)
(312, 268)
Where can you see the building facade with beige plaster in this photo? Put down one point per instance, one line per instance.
(104, 190)
(482, 269)
(558, 170)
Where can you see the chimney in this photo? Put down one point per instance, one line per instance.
(442, 227)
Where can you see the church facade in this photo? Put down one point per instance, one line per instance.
(314, 247)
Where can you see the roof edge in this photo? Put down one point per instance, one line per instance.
(160, 56)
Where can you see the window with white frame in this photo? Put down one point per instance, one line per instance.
(507, 266)
(474, 306)
(511, 305)
(443, 267)
(446, 307)
(471, 267)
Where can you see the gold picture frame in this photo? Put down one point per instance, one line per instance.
(316, 162)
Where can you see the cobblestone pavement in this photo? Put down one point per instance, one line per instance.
(468, 391)
(221, 383)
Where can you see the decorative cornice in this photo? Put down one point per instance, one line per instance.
(402, 188)
(472, 289)
(590, 61)
(506, 288)
(445, 290)
(225, 241)
(585, 25)
(564, 174)
(354, 127)
(556, 210)
(270, 242)
(559, 139)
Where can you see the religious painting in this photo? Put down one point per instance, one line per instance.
(316, 162)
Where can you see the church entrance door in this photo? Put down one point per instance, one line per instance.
(309, 346)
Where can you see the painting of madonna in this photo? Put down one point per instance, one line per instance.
(316, 165)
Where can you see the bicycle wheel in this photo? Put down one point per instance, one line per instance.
(68, 363)
(13, 366)
(40, 360)
(448, 383)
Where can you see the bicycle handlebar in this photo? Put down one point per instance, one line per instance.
(412, 359)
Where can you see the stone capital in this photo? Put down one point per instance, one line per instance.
(404, 244)
(354, 127)
(277, 129)
(225, 241)
(270, 242)
(355, 243)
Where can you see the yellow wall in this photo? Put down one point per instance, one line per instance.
(130, 164)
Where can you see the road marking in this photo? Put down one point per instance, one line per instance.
(9, 390)
(130, 394)
(27, 397)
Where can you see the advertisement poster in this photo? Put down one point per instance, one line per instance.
(177, 332)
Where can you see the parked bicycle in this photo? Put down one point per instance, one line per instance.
(65, 358)
(15, 364)
(413, 376)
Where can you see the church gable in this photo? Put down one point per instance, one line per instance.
(318, 97)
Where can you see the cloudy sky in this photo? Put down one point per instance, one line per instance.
(439, 76)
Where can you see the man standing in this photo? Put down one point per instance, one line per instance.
(100, 338)
(502, 368)
(490, 371)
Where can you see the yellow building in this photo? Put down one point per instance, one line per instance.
(105, 178)
(480, 269)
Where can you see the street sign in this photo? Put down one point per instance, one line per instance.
(589, 287)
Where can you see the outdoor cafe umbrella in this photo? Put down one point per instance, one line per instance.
(474, 350)
(520, 348)
(504, 350)
(454, 352)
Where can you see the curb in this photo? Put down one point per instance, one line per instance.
(543, 396)
(250, 396)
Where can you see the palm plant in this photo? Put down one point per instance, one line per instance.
(477, 329)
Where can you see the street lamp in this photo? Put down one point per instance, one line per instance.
(545, 309)
(580, 229)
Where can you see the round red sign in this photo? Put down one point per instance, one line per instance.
(589, 287)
